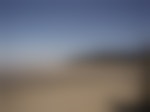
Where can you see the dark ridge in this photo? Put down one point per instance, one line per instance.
(97, 57)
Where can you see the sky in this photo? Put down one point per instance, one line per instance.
(42, 30)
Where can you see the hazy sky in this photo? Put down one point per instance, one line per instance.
(41, 29)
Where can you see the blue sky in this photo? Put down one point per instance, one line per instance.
(50, 29)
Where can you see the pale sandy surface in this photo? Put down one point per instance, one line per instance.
(87, 89)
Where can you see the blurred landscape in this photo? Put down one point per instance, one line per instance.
(74, 55)
(84, 86)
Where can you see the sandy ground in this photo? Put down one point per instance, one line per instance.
(87, 89)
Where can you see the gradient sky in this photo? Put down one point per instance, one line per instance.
(41, 29)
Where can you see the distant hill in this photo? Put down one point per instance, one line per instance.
(96, 57)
